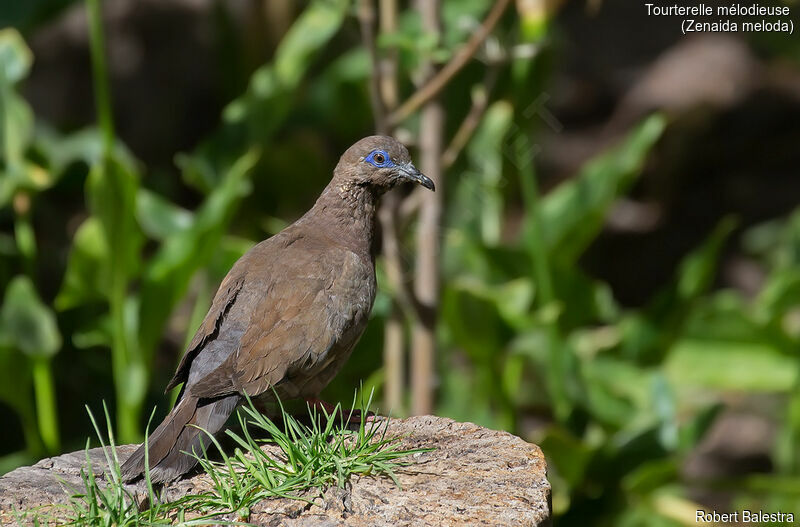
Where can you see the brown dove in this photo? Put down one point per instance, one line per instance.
(286, 317)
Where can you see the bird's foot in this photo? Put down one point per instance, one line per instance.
(353, 416)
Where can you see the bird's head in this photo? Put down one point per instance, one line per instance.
(380, 163)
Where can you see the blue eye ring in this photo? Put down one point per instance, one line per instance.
(379, 159)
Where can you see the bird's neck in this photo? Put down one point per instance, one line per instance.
(348, 213)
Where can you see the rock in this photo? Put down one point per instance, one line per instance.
(475, 476)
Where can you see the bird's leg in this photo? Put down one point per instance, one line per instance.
(351, 417)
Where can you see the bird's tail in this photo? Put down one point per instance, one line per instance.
(178, 433)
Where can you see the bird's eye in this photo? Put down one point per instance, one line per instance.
(379, 159)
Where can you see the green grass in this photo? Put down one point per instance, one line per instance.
(112, 504)
(310, 458)
(317, 455)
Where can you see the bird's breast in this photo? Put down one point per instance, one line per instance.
(352, 293)
(349, 300)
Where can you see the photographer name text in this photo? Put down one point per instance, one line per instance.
(743, 516)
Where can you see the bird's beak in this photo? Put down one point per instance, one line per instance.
(411, 173)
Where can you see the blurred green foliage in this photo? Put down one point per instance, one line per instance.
(622, 396)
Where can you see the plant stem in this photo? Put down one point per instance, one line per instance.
(127, 367)
(534, 239)
(26, 239)
(436, 83)
(534, 231)
(387, 65)
(13, 161)
(427, 280)
(100, 74)
(12, 156)
(384, 98)
(393, 362)
(46, 406)
(33, 438)
(788, 446)
(366, 17)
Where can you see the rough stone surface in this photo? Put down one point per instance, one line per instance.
(475, 476)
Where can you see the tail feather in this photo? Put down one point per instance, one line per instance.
(178, 433)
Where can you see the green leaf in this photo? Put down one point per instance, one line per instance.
(573, 213)
(16, 117)
(651, 476)
(86, 145)
(693, 431)
(474, 322)
(697, 271)
(617, 392)
(26, 238)
(586, 300)
(168, 273)
(87, 276)
(96, 333)
(264, 104)
(649, 333)
(664, 408)
(197, 171)
(512, 300)
(567, 454)
(8, 246)
(779, 296)
(16, 57)
(478, 201)
(26, 323)
(777, 242)
(353, 66)
(11, 461)
(658, 509)
(770, 484)
(730, 365)
(111, 191)
(460, 18)
(308, 34)
(159, 218)
(230, 249)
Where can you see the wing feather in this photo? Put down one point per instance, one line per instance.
(289, 325)
(224, 299)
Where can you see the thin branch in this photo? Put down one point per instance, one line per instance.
(436, 83)
(409, 207)
(384, 88)
(427, 279)
(480, 101)
(394, 260)
(394, 335)
(388, 62)
(394, 351)
(366, 18)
